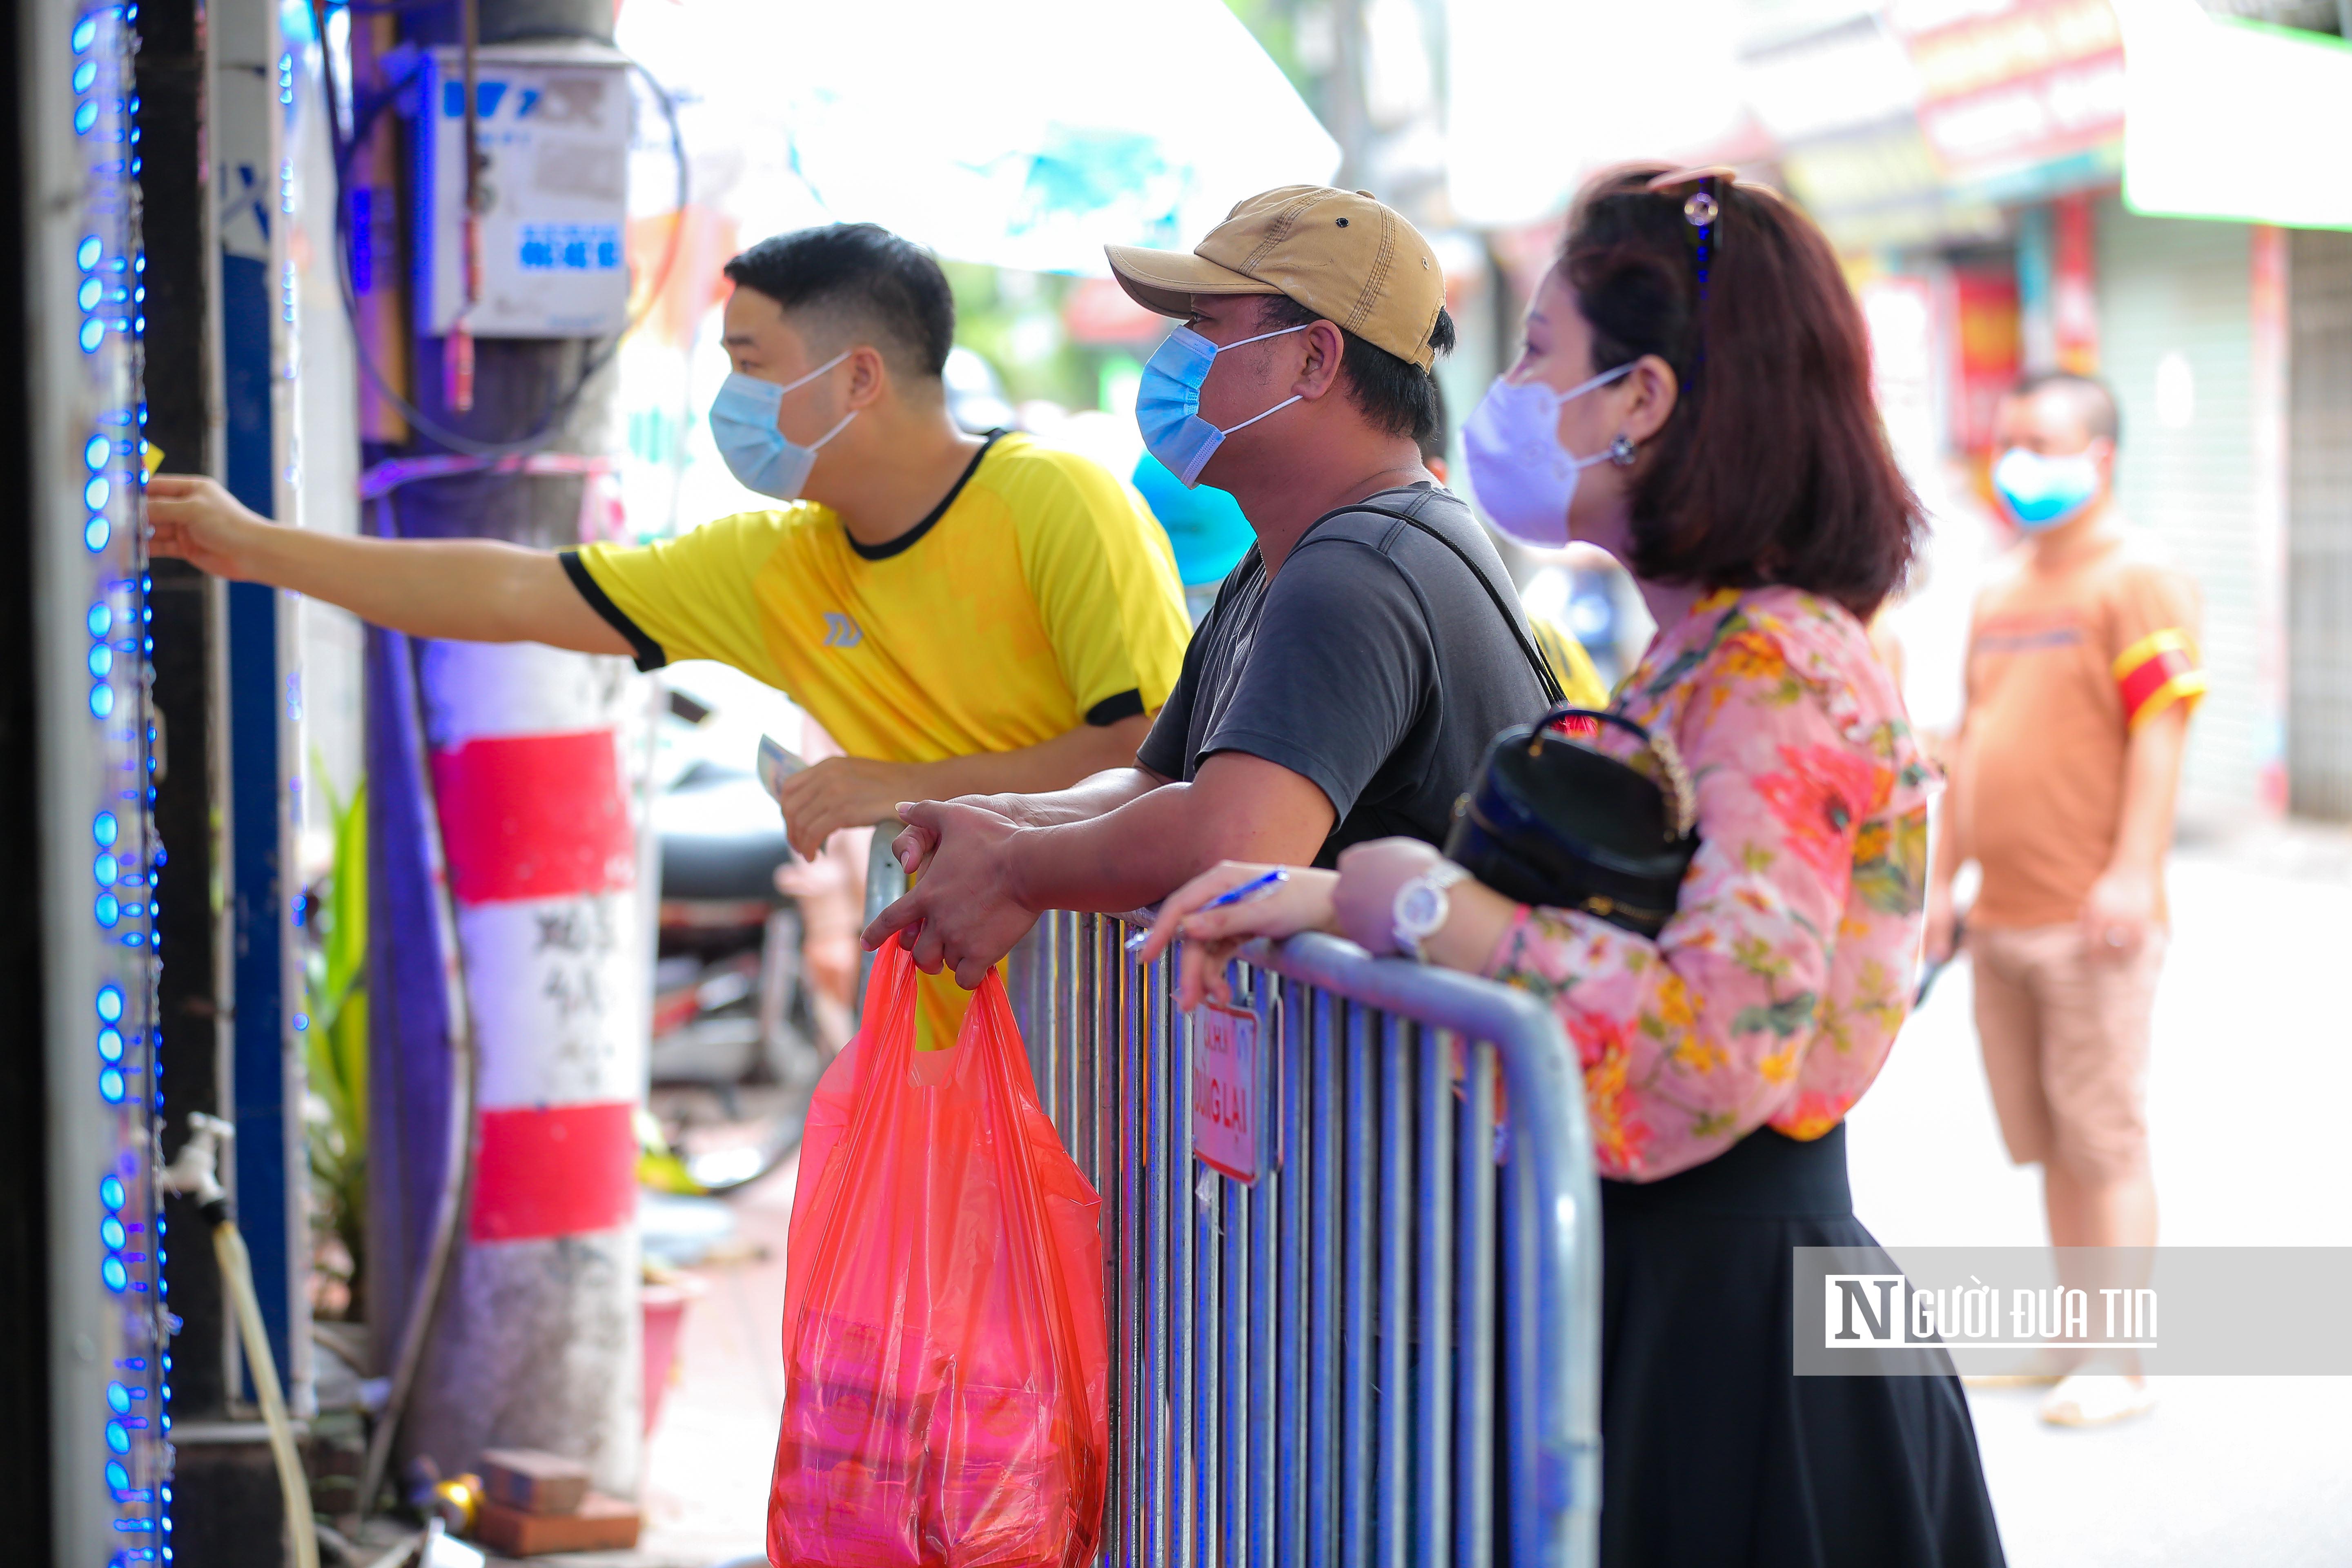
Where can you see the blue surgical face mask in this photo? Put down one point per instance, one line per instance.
(1521, 473)
(1167, 403)
(743, 423)
(2043, 492)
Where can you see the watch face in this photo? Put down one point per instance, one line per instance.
(1422, 909)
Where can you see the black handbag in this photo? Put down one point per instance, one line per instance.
(1555, 822)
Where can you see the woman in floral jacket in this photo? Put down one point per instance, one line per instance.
(1694, 398)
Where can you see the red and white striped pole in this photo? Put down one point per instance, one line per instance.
(534, 758)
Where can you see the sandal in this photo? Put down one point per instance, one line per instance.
(2098, 1399)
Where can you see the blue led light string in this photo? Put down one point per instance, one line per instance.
(109, 296)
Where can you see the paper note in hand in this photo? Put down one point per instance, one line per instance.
(776, 764)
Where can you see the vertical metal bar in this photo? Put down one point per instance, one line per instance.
(1077, 1108)
(1077, 983)
(1208, 1308)
(1168, 1289)
(1298, 1157)
(1087, 1067)
(1265, 1204)
(1520, 1432)
(1065, 979)
(1391, 1524)
(1474, 1421)
(1116, 1102)
(1325, 1059)
(1236, 1325)
(1080, 1066)
(1047, 988)
(1232, 1201)
(1433, 1281)
(1110, 1020)
(1142, 1272)
(1145, 1259)
(1067, 1004)
(1358, 1421)
(1524, 1261)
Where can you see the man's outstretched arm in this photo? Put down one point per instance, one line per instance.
(857, 792)
(988, 878)
(472, 590)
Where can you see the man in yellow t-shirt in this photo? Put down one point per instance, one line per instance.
(966, 615)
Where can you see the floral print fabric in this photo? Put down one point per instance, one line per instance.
(1774, 993)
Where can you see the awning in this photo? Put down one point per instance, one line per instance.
(2234, 120)
(1026, 133)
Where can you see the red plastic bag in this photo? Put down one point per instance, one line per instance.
(945, 1365)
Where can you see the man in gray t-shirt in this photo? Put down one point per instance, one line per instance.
(1375, 666)
(1353, 666)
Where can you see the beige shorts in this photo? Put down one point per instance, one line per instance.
(2066, 1036)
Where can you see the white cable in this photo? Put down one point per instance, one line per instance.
(236, 1267)
(195, 1171)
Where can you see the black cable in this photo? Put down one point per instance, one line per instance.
(336, 135)
(542, 431)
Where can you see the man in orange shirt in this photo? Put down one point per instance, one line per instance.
(2082, 672)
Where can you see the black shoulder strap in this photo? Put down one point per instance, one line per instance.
(1542, 666)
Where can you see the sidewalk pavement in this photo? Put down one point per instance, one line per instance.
(2247, 1090)
(2251, 1077)
(708, 1465)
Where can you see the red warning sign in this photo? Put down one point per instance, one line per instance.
(1227, 1116)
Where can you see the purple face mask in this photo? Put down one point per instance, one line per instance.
(1522, 475)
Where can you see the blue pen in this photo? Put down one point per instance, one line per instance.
(1252, 888)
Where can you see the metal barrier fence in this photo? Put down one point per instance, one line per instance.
(1386, 1349)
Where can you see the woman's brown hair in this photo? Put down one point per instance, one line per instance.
(1774, 466)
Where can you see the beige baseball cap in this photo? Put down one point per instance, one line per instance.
(1339, 253)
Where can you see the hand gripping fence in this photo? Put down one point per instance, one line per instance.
(1386, 1350)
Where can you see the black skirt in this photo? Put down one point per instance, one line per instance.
(1713, 1453)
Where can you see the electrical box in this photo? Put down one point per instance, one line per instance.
(551, 131)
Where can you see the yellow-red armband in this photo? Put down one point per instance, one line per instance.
(2157, 671)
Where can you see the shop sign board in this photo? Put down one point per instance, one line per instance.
(2016, 83)
(1989, 359)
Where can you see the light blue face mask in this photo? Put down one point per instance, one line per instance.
(2043, 492)
(743, 423)
(1167, 403)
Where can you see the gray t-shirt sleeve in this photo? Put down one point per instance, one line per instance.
(1162, 750)
(1340, 671)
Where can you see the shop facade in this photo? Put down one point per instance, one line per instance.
(2139, 190)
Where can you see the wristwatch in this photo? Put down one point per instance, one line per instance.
(1422, 906)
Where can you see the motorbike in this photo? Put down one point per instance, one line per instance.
(740, 1034)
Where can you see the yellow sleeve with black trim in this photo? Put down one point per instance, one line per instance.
(1570, 664)
(1104, 578)
(688, 597)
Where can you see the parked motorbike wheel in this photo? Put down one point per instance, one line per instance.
(739, 1036)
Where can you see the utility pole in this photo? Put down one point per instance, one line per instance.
(1346, 116)
(530, 754)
